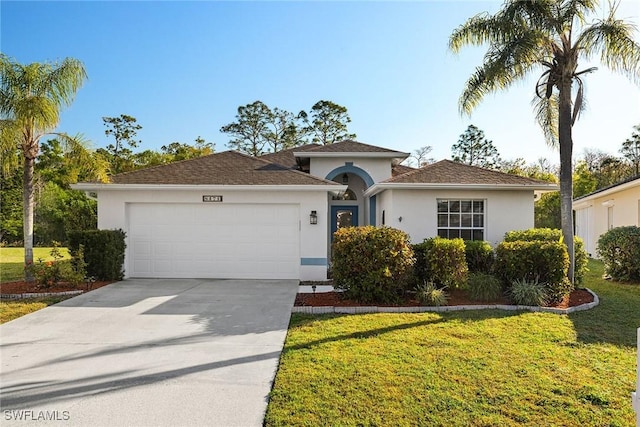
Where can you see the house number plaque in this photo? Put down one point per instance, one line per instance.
(211, 198)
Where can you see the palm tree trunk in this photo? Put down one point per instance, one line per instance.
(28, 216)
(566, 178)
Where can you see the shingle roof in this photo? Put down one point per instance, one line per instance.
(400, 170)
(286, 157)
(225, 168)
(349, 146)
(450, 172)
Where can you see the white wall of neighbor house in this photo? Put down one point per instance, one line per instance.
(378, 169)
(415, 211)
(595, 215)
(112, 214)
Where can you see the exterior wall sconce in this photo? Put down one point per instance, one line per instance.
(313, 218)
(399, 219)
(345, 178)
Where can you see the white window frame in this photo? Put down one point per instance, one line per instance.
(475, 217)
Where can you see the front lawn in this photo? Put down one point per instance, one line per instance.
(10, 310)
(12, 261)
(470, 368)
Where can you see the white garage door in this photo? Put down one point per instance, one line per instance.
(213, 241)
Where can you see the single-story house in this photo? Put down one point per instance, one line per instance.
(229, 215)
(614, 206)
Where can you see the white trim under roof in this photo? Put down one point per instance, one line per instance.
(377, 188)
(358, 154)
(85, 186)
(583, 202)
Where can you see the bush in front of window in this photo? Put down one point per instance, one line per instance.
(619, 248)
(479, 255)
(441, 261)
(543, 261)
(554, 235)
(372, 264)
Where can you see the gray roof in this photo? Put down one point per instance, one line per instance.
(225, 168)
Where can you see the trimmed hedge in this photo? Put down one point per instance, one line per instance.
(554, 235)
(441, 261)
(479, 255)
(103, 252)
(543, 261)
(372, 264)
(619, 248)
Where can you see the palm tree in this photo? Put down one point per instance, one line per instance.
(549, 37)
(31, 98)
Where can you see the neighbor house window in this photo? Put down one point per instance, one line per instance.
(461, 218)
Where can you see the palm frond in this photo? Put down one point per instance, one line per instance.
(546, 111)
(612, 40)
(503, 65)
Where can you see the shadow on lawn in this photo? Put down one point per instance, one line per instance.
(303, 319)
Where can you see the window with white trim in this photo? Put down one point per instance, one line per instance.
(461, 218)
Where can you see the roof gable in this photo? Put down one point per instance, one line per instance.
(225, 168)
(350, 146)
(450, 172)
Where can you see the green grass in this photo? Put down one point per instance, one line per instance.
(10, 310)
(12, 261)
(475, 368)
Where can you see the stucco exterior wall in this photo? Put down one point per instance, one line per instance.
(313, 239)
(415, 211)
(378, 169)
(592, 216)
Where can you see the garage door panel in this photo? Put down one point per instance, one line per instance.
(211, 240)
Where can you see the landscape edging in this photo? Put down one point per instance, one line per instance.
(444, 308)
(39, 295)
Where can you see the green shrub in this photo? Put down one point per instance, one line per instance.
(528, 292)
(544, 261)
(103, 252)
(479, 256)
(619, 248)
(372, 264)
(554, 235)
(428, 294)
(484, 287)
(441, 261)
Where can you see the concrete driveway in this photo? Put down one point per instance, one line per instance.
(163, 352)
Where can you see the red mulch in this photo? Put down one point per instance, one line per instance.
(24, 287)
(455, 297)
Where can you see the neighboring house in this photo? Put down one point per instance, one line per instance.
(614, 206)
(228, 215)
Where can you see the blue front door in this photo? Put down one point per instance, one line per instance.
(343, 216)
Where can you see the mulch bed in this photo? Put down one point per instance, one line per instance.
(28, 288)
(455, 297)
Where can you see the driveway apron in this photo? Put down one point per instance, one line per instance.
(147, 352)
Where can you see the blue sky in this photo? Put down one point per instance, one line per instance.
(183, 68)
